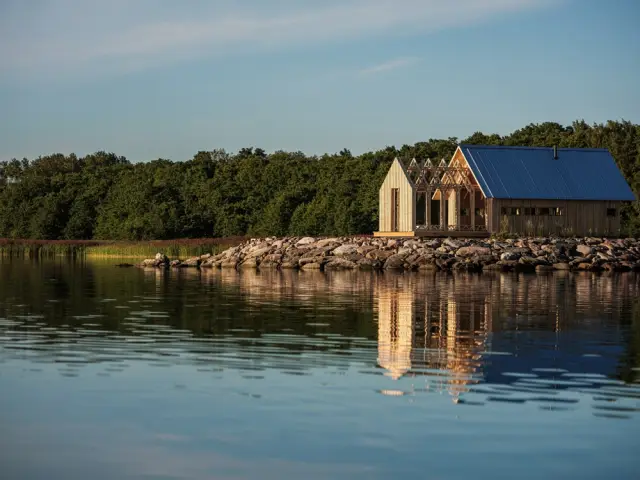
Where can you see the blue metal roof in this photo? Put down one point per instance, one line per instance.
(533, 173)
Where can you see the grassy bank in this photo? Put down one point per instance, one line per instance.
(179, 248)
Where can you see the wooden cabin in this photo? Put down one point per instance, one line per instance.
(487, 190)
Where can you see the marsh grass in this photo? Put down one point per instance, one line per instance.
(43, 248)
(179, 248)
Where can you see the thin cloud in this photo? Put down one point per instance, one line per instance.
(73, 36)
(394, 64)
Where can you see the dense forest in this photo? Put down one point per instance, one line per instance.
(104, 196)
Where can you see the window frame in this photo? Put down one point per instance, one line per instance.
(543, 211)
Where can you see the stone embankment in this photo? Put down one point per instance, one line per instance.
(447, 254)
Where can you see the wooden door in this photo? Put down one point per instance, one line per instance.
(395, 209)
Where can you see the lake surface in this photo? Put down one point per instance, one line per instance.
(110, 373)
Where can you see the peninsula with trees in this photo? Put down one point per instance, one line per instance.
(103, 196)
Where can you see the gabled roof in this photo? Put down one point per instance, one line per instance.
(533, 173)
(404, 169)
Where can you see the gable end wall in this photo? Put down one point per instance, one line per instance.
(396, 178)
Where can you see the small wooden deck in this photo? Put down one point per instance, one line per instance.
(435, 233)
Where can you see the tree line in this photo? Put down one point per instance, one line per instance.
(218, 194)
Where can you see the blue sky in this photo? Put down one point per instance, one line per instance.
(158, 78)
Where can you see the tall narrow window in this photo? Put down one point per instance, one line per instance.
(395, 209)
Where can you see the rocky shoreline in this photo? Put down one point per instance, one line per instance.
(427, 254)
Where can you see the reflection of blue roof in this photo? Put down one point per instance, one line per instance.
(533, 173)
(548, 350)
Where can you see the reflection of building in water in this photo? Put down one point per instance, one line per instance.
(395, 330)
(445, 327)
(433, 327)
(467, 327)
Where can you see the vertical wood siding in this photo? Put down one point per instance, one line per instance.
(397, 178)
(453, 205)
(581, 218)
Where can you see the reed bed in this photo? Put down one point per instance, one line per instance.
(180, 248)
(43, 248)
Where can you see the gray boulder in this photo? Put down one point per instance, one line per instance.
(450, 242)
(379, 254)
(161, 258)
(306, 241)
(369, 264)
(394, 262)
(561, 266)
(311, 266)
(229, 263)
(325, 242)
(193, 262)
(472, 250)
(510, 255)
(340, 264)
(307, 260)
(346, 249)
(584, 250)
(271, 261)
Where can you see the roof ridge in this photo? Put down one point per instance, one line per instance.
(525, 147)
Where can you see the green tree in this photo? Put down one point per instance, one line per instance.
(103, 195)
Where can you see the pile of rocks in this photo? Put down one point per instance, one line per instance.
(448, 254)
(162, 261)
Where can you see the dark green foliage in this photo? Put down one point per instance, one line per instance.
(215, 194)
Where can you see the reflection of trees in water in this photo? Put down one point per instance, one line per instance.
(629, 366)
(105, 307)
(297, 301)
(425, 322)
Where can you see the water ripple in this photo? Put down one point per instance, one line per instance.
(557, 343)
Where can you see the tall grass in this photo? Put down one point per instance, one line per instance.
(10, 247)
(180, 248)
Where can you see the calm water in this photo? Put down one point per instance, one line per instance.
(110, 373)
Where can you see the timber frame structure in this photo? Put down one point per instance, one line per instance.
(423, 186)
(498, 189)
(453, 182)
